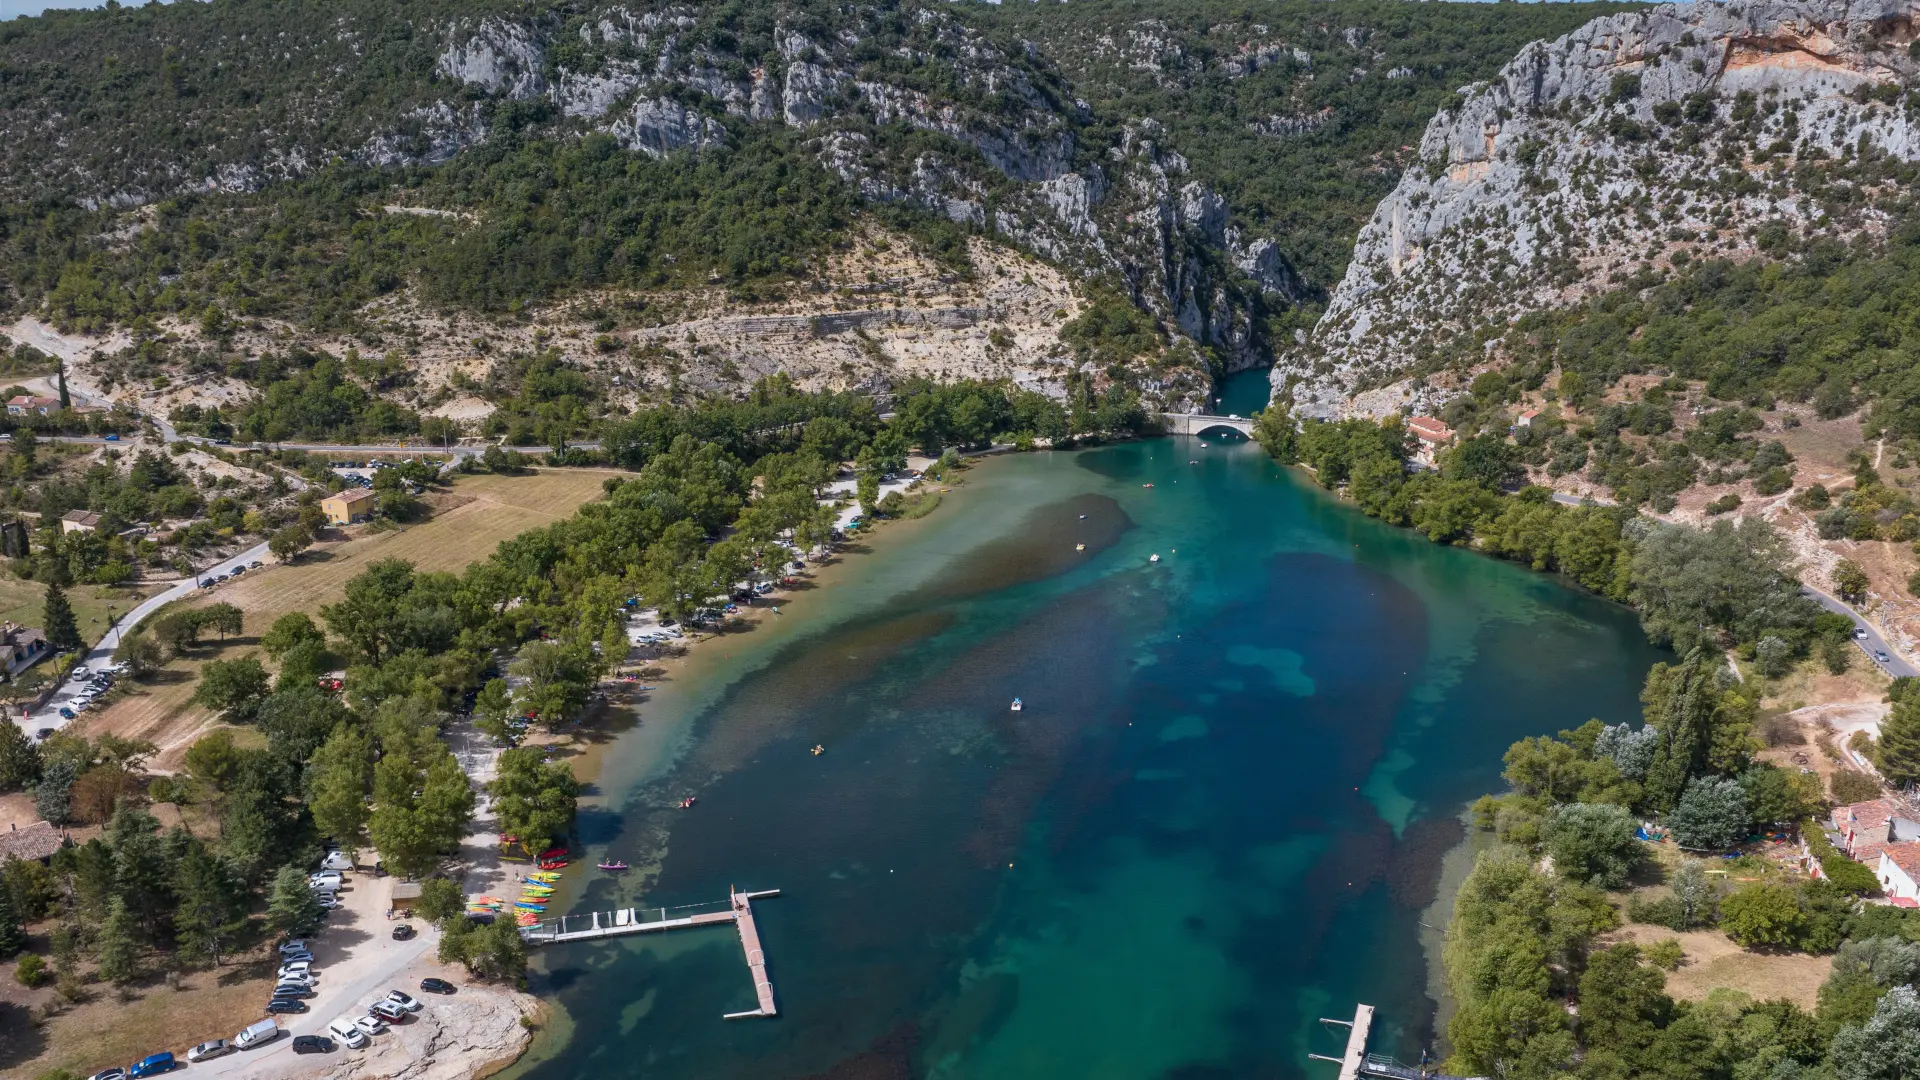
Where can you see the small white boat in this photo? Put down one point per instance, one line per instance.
(1153, 558)
(1079, 547)
(1016, 705)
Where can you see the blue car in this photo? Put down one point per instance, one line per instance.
(113, 438)
(153, 1066)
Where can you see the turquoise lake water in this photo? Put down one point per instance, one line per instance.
(1219, 816)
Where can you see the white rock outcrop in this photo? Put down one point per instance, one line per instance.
(1679, 132)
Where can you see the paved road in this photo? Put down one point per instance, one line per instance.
(48, 715)
(1873, 642)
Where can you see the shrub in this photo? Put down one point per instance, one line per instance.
(31, 970)
(1763, 915)
(1666, 954)
(1724, 504)
(1851, 786)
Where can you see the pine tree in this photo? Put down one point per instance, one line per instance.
(1899, 747)
(338, 778)
(19, 758)
(210, 911)
(13, 935)
(291, 908)
(114, 947)
(58, 623)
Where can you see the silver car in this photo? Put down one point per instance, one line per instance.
(207, 1051)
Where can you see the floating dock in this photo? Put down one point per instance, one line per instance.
(1357, 1064)
(605, 924)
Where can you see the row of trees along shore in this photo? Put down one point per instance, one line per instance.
(1540, 989)
(516, 639)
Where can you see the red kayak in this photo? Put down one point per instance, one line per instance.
(554, 853)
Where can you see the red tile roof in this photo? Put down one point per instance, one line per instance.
(1906, 856)
(1429, 429)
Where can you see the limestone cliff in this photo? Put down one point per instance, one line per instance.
(1635, 143)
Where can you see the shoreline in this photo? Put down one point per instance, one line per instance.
(650, 750)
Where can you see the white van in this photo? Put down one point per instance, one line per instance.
(344, 1030)
(257, 1034)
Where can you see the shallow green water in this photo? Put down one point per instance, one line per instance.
(1217, 818)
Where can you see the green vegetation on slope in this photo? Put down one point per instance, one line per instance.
(1301, 144)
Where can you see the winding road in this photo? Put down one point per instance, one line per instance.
(1873, 642)
(48, 717)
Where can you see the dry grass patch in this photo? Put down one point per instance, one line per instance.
(25, 602)
(467, 525)
(107, 1031)
(1714, 961)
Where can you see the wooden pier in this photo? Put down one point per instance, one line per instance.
(605, 924)
(1356, 1063)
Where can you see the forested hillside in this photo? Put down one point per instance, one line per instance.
(230, 160)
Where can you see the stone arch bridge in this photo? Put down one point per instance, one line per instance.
(1202, 423)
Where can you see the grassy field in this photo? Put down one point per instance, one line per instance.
(24, 601)
(1714, 962)
(466, 526)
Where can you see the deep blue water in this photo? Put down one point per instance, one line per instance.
(1219, 817)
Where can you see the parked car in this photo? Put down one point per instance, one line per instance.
(66, 713)
(336, 860)
(328, 901)
(293, 990)
(109, 1074)
(285, 1005)
(294, 945)
(436, 986)
(152, 1065)
(294, 957)
(312, 1044)
(296, 980)
(326, 879)
(298, 969)
(258, 1033)
(43, 733)
(78, 673)
(207, 1051)
(371, 1024)
(404, 1000)
(403, 932)
(344, 1030)
(387, 1010)
(254, 565)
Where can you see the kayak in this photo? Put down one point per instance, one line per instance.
(531, 907)
(554, 853)
(613, 866)
(544, 875)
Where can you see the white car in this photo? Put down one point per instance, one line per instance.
(297, 969)
(404, 1000)
(296, 945)
(370, 1024)
(336, 860)
(348, 1031)
(325, 879)
(79, 673)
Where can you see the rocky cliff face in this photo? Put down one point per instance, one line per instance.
(909, 106)
(1633, 144)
